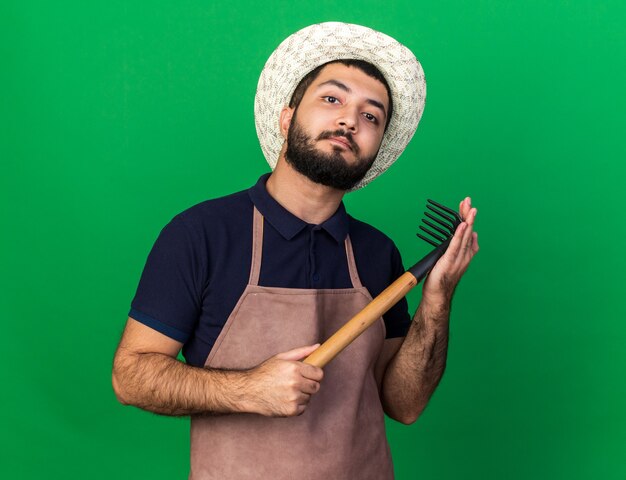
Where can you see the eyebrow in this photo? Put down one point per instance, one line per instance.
(345, 88)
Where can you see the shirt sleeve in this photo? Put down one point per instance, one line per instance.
(397, 319)
(168, 297)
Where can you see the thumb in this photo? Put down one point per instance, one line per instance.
(298, 353)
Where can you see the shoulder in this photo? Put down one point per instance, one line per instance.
(217, 208)
(210, 226)
(211, 216)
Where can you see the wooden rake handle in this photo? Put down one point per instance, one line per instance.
(362, 320)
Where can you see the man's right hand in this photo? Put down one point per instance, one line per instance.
(147, 374)
(282, 385)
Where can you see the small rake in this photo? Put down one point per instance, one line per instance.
(442, 222)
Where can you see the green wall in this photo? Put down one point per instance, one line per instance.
(118, 115)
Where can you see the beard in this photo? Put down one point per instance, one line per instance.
(329, 169)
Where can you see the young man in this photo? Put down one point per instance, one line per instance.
(248, 285)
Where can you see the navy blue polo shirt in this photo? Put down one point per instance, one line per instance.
(200, 264)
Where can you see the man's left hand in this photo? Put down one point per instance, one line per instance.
(445, 275)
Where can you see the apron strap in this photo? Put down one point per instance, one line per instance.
(354, 274)
(257, 247)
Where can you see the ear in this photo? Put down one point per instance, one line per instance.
(286, 114)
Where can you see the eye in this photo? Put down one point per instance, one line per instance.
(370, 117)
(331, 99)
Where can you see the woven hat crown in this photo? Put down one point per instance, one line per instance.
(307, 49)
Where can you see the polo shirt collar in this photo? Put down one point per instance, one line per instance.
(286, 223)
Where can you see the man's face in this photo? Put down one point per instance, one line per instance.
(336, 131)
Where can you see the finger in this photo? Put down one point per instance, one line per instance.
(466, 242)
(471, 215)
(466, 237)
(310, 387)
(461, 257)
(464, 207)
(298, 353)
(467, 234)
(475, 246)
(458, 246)
(469, 249)
(296, 407)
(303, 399)
(470, 242)
(311, 372)
(455, 244)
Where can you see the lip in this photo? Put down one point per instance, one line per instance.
(341, 141)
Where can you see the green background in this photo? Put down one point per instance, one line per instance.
(118, 115)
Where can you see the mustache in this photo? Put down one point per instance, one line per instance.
(326, 134)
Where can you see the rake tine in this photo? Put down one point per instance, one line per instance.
(433, 209)
(434, 244)
(434, 235)
(439, 221)
(432, 225)
(445, 209)
(449, 211)
(445, 223)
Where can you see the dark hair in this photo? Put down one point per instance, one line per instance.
(362, 65)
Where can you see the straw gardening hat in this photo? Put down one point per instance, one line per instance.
(318, 44)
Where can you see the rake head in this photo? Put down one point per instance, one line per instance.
(442, 224)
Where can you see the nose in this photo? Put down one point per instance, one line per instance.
(348, 120)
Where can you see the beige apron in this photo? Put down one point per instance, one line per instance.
(341, 434)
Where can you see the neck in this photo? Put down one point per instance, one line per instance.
(309, 201)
